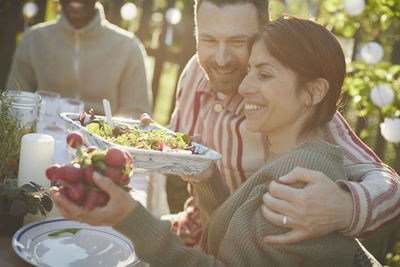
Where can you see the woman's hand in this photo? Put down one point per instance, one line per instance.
(119, 205)
(318, 209)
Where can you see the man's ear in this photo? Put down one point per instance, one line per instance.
(317, 90)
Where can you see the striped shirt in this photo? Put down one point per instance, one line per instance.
(221, 125)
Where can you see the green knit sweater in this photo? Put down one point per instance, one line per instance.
(235, 227)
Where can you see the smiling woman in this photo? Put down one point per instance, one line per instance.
(234, 227)
(272, 103)
(294, 82)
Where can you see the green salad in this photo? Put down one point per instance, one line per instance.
(142, 136)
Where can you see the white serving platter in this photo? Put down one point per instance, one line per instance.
(148, 160)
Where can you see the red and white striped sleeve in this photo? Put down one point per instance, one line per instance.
(373, 185)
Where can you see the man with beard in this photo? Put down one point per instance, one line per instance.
(82, 55)
(208, 104)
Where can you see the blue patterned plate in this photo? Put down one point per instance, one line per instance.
(148, 160)
(60, 242)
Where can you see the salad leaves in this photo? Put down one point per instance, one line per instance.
(140, 137)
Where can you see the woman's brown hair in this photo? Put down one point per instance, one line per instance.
(312, 52)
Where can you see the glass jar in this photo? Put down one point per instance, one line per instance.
(25, 108)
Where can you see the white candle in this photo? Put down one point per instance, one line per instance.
(36, 155)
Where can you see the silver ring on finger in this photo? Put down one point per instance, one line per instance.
(284, 220)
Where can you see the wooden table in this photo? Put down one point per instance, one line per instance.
(8, 256)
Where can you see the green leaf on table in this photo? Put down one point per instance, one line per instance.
(47, 203)
(42, 211)
(33, 209)
(29, 188)
(38, 187)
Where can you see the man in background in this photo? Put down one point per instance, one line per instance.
(82, 55)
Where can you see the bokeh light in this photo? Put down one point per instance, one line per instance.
(390, 130)
(372, 52)
(30, 9)
(354, 7)
(173, 15)
(382, 95)
(128, 11)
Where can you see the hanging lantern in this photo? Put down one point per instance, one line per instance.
(128, 11)
(173, 15)
(354, 7)
(390, 130)
(30, 10)
(382, 95)
(372, 52)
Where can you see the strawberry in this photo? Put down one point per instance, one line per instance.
(51, 172)
(74, 139)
